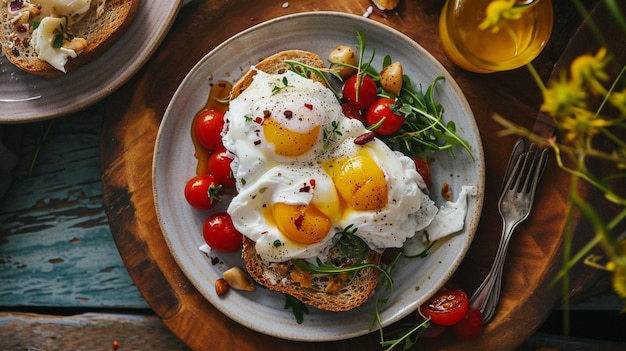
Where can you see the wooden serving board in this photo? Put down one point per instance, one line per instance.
(133, 115)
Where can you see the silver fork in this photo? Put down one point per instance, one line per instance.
(516, 199)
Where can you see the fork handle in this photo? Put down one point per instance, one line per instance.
(487, 295)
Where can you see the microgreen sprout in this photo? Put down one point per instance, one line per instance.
(278, 88)
(424, 126)
(329, 134)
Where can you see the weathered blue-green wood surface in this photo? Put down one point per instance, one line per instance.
(56, 247)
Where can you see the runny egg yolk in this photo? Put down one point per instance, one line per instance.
(287, 142)
(360, 181)
(304, 224)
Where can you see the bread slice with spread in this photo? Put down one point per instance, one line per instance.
(51, 37)
(326, 291)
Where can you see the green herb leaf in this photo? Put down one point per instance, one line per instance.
(424, 127)
(297, 306)
(409, 336)
(329, 134)
(58, 41)
(278, 88)
(307, 71)
(352, 246)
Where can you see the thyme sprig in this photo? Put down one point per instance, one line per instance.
(279, 88)
(330, 134)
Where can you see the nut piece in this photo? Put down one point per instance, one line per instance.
(386, 4)
(391, 78)
(336, 283)
(340, 56)
(238, 279)
(221, 287)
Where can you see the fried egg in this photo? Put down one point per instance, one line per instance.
(301, 178)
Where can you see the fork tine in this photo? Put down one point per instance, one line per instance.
(515, 175)
(530, 165)
(539, 164)
(518, 149)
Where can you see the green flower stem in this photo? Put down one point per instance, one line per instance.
(536, 76)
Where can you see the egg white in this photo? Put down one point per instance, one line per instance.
(264, 178)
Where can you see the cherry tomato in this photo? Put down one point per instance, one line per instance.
(351, 112)
(366, 92)
(380, 109)
(446, 307)
(220, 233)
(218, 165)
(470, 326)
(202, 191)
(209, 127)
(423, 169)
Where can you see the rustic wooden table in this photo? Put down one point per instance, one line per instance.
(82, 261)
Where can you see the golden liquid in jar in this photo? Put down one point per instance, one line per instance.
(484, 51)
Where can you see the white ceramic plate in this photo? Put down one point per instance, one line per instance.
(25, 97)
(174, 164)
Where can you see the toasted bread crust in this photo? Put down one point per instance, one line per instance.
(275, 64)
(278, 276)
(98, 31)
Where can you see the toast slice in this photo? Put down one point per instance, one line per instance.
(332, 292)
(100, 26)
(275, 64)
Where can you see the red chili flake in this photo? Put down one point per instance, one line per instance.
(288, 114)
(267, 113)
(305, 189)
(312, 182)
(298, 221)
(16, 5)
(446, 192)
(257, 142)
(258, 120)
(264, 233)
(309, 106)
(364, 138)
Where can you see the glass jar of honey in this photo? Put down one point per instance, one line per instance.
(476, 44)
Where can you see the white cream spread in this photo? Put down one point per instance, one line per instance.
(42, 41)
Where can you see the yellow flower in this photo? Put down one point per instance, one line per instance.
(588, 71)
(582, 124)
(499, 13)
(619, 274)
(618, 99)
(561, 97)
